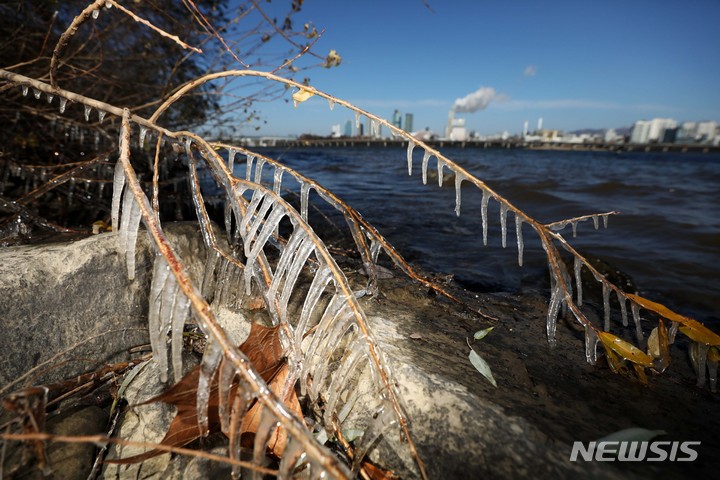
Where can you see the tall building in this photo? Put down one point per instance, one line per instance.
(348, 129)
(408, 122)
(640, 132)
(397, 119)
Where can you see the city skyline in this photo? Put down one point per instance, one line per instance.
(500, 65)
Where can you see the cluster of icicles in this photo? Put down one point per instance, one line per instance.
(339, 348)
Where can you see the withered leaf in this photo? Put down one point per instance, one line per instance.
(263, 349)
(625, 350)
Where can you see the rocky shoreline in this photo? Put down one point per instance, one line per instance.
(55, 296)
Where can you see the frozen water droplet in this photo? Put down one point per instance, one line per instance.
(88, 109)
(24, 90)
(63, 104)
(96, 13)
(331, 103)
(37, 93)
(410, 147)
(50, 98)
(101, 115)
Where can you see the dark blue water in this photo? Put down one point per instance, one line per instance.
(667, 238)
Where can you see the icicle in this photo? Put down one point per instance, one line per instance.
(623, 309)
(129, 230)
(635, 309)
(50, 97)
(319, 282)
(357, 350)
(304, 198)
(101, 115)
(88, 109)
(672, 331)
(63, 104)
(574, 228)
(294, 453)
(277, 180)
(36, 93)
(384, 420)
(301, 256)
(605, 220)
(162, 286)
(440, 165)
(410, 147)
(484, 214)
(373, 127)
(553, 309)
(248, 173)
(577, 266)
(268, 424)
(208, 366)
(357, 121)
(459, 177)
(503, 223)
(118, 184)
(596, 221)
(698, 355)
(177, 325)
(24, 90)
(143, 132)
(331, 104)
(518, 233)
(231, 160)
(606, 305)
(426, 157)
(344, 321)
(591, 341)
(286, 258)
(258, 170)
(96, 13)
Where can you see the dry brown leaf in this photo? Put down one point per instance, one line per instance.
(263, 349)
(692, 328)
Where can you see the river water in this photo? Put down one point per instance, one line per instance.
(667, 237)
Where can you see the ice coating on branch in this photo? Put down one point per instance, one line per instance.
(304, 198)
(591, 341)
(518, 234)
(635, 309)
(88, 109)
(606, 305)
(410, 147)
(250, 159)
(118, 184)
(210, 362)
(63, 104)
(503, 223)
(577, 267)
(484, 214)
(459, 177)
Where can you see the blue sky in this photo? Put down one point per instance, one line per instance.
(576, 64)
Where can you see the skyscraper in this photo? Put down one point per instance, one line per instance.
(408, 122)
(397, 119)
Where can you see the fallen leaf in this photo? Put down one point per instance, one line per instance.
(301, 96)
(480, 334)
(481, 366)
(377, 473)
(263, 349)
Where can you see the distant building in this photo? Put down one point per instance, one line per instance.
(397, 119)
(651, 131)
(408, 122)
(640, 132)
(707, 131)
(348, 129)
(335, 131)
(455, 129)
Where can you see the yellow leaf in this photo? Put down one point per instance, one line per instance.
(692, 328)
(301, 95)
(640, 372)
(625, 349)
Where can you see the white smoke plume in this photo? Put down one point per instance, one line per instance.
(478, 100)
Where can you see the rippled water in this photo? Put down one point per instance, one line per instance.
(667, 237)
